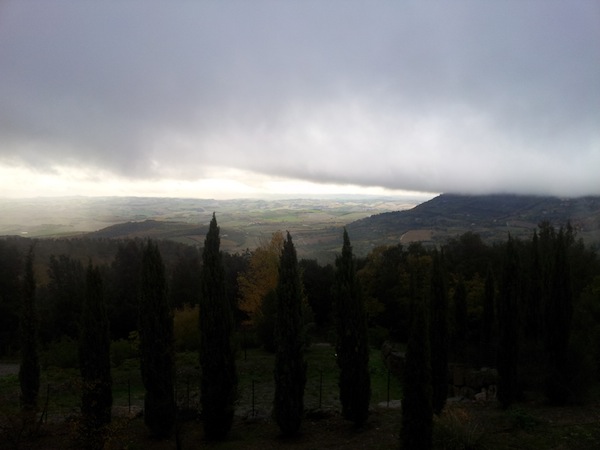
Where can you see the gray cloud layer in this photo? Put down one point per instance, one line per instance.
(437, 96)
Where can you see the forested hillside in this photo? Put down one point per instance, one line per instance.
(490, 216)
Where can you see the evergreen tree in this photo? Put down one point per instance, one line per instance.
(488, 358)
(185, 285)
(94, 356)
(66, 288)
(439, 334)
(417, 412)
(124, 289)
(318, 281)
(29, 371)
(508, 326)
(217, 359)
(558, 322)
(11, 271)
(290, 367)
(460, 320)
(156, 344)
(352, 345)
(533, 322)
(264, 321)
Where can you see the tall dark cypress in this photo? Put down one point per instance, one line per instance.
(217, 358)
(94, 355)
(533, 319)
(29, 371)
(488, 356)
(508, 326)
(417, 411)
(558, 325)
(156, 344)
(460, 321)
(439, 334)
(352, 341)
(290, 367)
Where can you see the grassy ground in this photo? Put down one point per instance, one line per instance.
(464, 425)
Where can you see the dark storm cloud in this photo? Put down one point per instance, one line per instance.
(436, 96)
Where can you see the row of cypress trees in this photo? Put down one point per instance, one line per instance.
(94, 356)
(217, 359)
(546, 317)
(426, 368)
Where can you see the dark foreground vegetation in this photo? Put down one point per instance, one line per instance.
(495, 345)
(463, 424)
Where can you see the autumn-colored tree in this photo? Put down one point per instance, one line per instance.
(261, 276)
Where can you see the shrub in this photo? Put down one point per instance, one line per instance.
(456, 429)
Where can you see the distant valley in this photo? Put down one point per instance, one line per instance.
(315, 224)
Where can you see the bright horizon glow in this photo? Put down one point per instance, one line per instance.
(218, 183)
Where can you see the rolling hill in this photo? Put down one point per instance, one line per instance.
(490, 216)
(432, 222)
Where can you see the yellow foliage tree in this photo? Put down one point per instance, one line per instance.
(261, 276)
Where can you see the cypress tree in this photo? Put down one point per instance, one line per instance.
(94, 356)
(217, 358)
(460, 320)
(487, 357)
(290, 367)
(508, 326)
(29, 371)
(558, 322)
(417, 412)
(352, 342)
(156, 344)
(533, 318)
(439, 334)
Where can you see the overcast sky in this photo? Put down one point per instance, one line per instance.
(239, 98)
